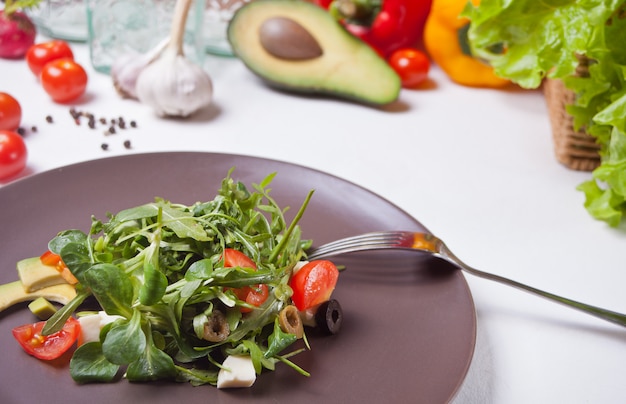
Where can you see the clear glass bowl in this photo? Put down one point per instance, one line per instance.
(117, 27)
(61, 19)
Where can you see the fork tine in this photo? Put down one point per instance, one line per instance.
(373, 240)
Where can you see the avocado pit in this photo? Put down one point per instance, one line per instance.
(285, 39)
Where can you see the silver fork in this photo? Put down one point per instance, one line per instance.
(406, 240)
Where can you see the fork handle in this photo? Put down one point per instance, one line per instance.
(608, 315)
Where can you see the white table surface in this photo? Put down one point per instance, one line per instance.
(475, 166)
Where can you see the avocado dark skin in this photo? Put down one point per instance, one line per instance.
(298, 46)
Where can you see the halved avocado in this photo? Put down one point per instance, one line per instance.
(297, 46)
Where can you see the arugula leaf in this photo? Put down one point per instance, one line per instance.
(278, 341)
(196, 377)
(59, 318)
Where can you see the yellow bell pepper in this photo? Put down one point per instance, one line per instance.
(445, 39)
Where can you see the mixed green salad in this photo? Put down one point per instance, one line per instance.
(186, 287)
(528, 40)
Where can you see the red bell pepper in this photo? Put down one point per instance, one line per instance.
(386, 25)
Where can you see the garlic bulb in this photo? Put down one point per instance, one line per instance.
(172, 84)
(126, 68)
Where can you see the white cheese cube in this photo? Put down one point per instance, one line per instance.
(89, 328)
(91, 324)
(238, 372)
(107, 318)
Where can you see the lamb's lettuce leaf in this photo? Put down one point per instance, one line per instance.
(548, 39)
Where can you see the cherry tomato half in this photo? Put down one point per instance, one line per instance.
(54, 260)
(50, 258)
(313, 283)
(235, 258)
(10, 112)
(64, 80)
(40, 54)
(50, 346)
(253, 295)
(411, 65)
(13, 154)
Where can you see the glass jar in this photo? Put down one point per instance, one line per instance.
(217, 15)
(61, 19)
(117, 27)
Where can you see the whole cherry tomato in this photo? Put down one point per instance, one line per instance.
(411, 65)
(64, 80)
(40, 54)
(50, 346)
(313, 283)
(13, 154)
(10, 112)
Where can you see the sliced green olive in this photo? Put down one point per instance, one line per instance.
(290, 322)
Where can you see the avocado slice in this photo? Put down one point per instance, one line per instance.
(297, 46)
(36, 275)
(13, 293)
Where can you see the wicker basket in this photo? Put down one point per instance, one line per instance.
(574, 149)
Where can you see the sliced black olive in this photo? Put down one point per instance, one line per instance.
(329, 317)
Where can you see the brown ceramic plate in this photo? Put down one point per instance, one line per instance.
(409, 328)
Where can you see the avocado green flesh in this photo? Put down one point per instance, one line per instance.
(42, 308)
(35, 275)
(348, 68)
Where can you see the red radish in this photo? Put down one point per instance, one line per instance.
(17, 33)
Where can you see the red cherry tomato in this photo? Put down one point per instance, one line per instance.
(13, 154)
(40, 54)
(235, 258)
(51, 259)
(50, 346)
(10, 112)
(313, 283)
(64, 80)
(253, 295)
(411, 65)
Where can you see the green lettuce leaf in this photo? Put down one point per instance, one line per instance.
(527, 41)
